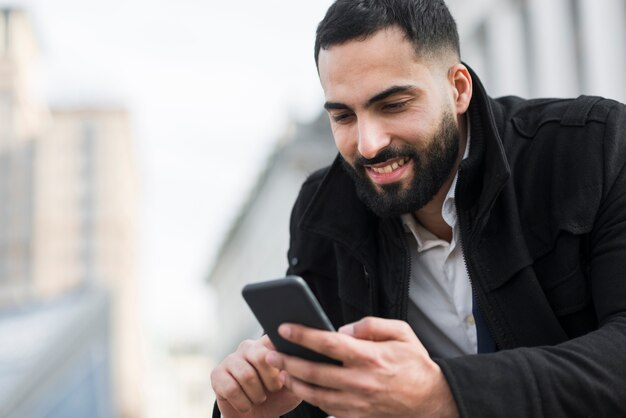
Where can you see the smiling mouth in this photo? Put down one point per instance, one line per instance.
(390, 167)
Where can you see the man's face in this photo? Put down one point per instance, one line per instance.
(393, 120)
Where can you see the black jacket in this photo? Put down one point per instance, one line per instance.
(541, 203)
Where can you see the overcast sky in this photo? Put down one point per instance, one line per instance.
(210, 86)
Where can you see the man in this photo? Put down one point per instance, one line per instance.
(450, 225)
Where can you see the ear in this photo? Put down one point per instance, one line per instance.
(461, 81)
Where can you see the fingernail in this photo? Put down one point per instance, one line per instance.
(284, 331)
(272, 359)
(347, 329)
(282, 377)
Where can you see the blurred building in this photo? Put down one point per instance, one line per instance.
(538, 48)
(55, 358)
(21, 119)
(68, 189)
(256, 246)
(523, 47)
(179, 381)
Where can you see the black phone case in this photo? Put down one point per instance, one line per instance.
(289, 299)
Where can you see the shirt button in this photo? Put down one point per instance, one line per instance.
(470, 321)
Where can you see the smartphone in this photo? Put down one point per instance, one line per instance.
(289, 299)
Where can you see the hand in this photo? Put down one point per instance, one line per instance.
(246, 386)
(386, 371)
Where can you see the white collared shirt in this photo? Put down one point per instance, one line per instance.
(440, 293)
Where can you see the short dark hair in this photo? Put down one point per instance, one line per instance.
(427, 24)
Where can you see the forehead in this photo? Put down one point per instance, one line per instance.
(354, 70)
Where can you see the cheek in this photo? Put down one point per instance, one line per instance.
(415, 131)
(345, 142)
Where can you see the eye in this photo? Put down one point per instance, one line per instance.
(342, 117)
(395, 106)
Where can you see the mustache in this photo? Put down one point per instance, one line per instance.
(385, 155)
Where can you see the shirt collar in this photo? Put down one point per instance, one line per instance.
(425, 239)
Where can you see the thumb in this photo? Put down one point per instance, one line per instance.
(379, 329)
(267, 343)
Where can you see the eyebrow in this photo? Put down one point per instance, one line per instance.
(374, 99)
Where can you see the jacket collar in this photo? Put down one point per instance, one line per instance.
(337, 213)
(485, 171)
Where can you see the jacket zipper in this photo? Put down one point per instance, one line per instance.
(406, 285)
(465, 233)
(373, 292)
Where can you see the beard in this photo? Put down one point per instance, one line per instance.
(431, 168)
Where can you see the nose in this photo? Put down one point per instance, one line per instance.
(372, 138)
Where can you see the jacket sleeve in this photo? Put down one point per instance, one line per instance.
(310, 258)
(582, 377)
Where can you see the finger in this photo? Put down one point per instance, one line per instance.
(267, 343)
(320, 374)
(347, 329)
(379, 329)
(231, 409)
(314, 395)
(247, 378)
(331, 401)
(254, 352)
(255, 355)
(228, 390)
(332, 344)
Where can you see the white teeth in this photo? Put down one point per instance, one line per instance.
(391, 167)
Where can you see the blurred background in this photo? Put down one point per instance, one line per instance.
(150, 152)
